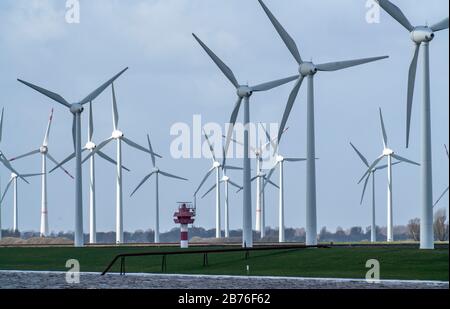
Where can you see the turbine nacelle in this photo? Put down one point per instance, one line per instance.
(156, 170)
(216, 164)
(244, 91)
(14, 175)
(117, 134)
(76, 108)
(225, 178)
(422, 34)
(307, 68)
(90, 146)
(43, 149)
(388, 152)
(280, 158)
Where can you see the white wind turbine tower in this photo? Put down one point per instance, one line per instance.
(446, 190)
(373, 233)
(308, 70)
(14, 181)
(156, 171)
(244, 92)
(43, 150)
(90, 146)
(389, 154)
(76, 109)
(420, 35)
(217, 166)
(118, 136)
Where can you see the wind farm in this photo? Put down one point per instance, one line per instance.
(267, 186)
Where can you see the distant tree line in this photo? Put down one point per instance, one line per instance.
(355, 234)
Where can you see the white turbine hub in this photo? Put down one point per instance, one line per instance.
(14, 175)
(225, 178)
(422, 34)
(388, 152)
(216, 164)
(76, 108)
(307, 68)
(244, 91)
(117, 134)
(43, 149)
(280, 158)
(90, 146)
(156, 170)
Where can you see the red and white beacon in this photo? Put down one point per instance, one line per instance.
(184, 216)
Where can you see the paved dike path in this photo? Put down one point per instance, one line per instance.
(57, 280)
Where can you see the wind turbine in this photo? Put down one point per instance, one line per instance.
(90, 146)
(156, 171)
(244, 92)
(308, 70)
(420, 35)
(258, 152)
(118, 136)
(14, 182)
(373, 233)
(217, 166)
(76, 109)
(389, 154)
(446, 190)
(43, 150)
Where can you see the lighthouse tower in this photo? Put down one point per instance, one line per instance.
(184, 216)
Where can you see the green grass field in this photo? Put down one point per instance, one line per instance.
(337, 262)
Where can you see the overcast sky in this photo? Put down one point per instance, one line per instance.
(171, 79)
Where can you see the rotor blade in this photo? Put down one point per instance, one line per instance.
(295, 159)
(47, 132)
(446, 150)
(31, 175)
(114, 108)
(382, 167)
(340, 65)
(6, 190)
(109, 159)
(411, 82)
(271, 140)
(172, 176)
(233, 118)
(289, 106)
(91, 123)
(139, 147)
(56, 163)
(269, 175)
(211, 148)
(91, 97)
(230, 167)
(97, 149)
(253, 149)
(404, 159)
(274, 84)
(287, 39)
(360, 155)
(272, 183)
(25, 155)
(204, 179)
(371, 167)
(253, 178)
(151, 151)
(222, 66)
(142, 182)
(440, 197)
(364, 189)
(396, 13)
(70, 157)
(1, 124)
(440, 25)
(54, 96)
(74, 131)
(210, 189)
(383, 130)
(235, 185)
(9, 166)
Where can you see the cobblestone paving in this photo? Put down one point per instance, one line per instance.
(56, 280)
